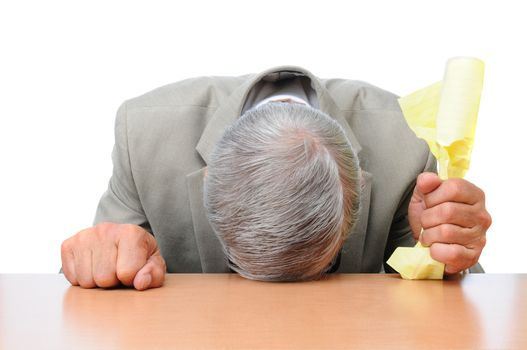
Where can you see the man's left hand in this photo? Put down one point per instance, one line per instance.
(453, 217)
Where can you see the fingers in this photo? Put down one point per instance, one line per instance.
(134, 249)
(449, 233)
(109, 254)
(83, 268)
(152, 275)
(455, 190)
(453, 216)
(68, 262)
(450, 213)
(455, 257)
(104, 265)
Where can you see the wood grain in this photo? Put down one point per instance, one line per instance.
(225, 311)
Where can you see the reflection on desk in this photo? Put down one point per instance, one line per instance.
(226, 311)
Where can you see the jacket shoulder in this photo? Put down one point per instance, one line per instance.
(205, 91)
(359, 95)
(389, 146)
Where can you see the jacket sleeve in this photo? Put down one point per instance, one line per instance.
(120, 203)
(400, 231)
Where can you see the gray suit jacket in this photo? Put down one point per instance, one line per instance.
(163, 140)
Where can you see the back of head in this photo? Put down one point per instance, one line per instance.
(282, 192)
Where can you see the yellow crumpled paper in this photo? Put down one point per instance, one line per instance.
(416, 264)
(444, 114)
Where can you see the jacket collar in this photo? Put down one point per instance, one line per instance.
(229, 111)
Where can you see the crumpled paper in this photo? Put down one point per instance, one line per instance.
(415, 263)
(444, 114)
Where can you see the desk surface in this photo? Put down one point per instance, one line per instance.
(194, 311)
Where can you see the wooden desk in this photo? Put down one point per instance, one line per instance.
(195, 311)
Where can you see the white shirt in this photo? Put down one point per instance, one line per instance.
(282, 98)
(296, 90)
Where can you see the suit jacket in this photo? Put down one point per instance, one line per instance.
(164, 138)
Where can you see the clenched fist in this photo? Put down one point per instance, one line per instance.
(450, 217)
(109, 254)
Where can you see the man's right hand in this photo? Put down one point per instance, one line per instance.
(109, 254)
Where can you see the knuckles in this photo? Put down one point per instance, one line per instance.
(98, 237)
(66, 246)
(448, 234)
(474, 258)
(84, 238)
(456, 257)
(105, 279)
(93, 237)
(483, 241)
(454, 253)
(485, 219)
(447, 212)
(105, 230)
(455, 186)
(104, 226)
(450, 255)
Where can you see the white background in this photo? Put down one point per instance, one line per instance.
(66, 66)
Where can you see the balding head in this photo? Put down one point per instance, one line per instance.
(282, 192)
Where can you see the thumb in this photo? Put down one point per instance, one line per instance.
(426, 183)
(152, 275)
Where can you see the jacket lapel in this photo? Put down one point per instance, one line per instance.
(353, 247)
(209, 247)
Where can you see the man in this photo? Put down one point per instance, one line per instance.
(282, 192)
(346, 140)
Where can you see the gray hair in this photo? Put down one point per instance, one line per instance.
(282, 192)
